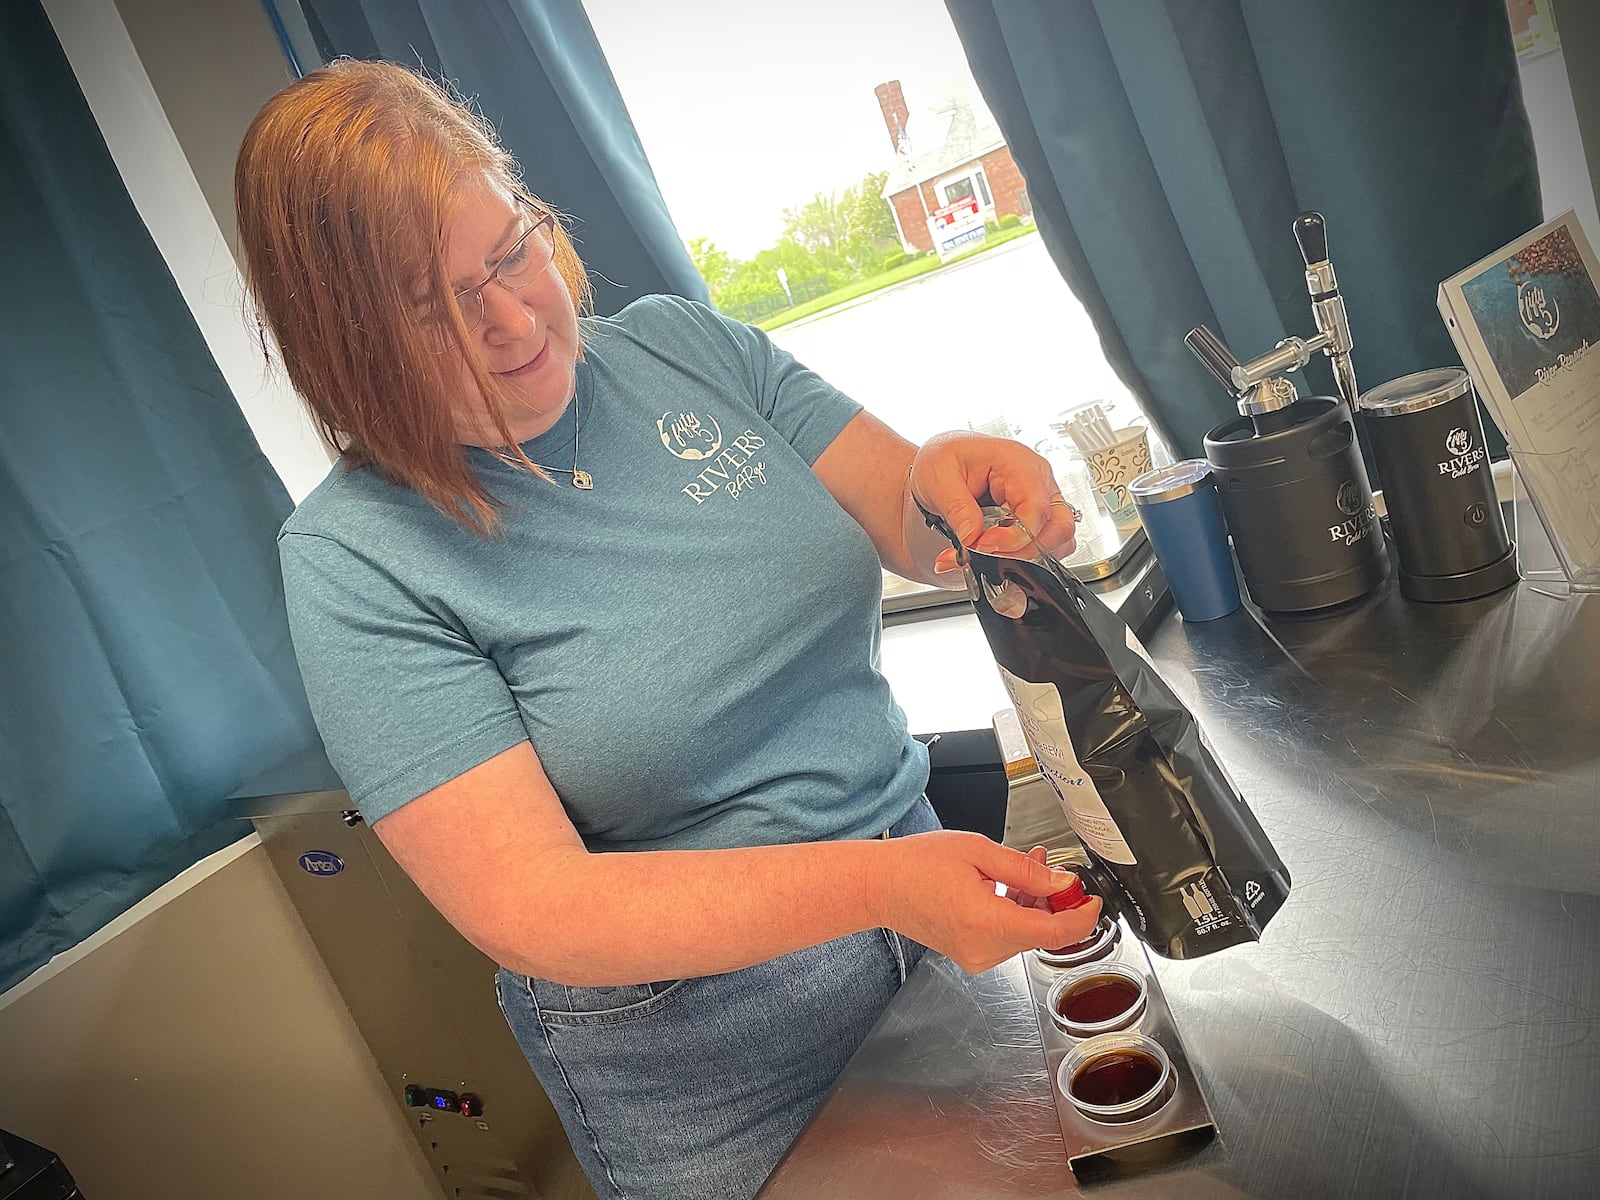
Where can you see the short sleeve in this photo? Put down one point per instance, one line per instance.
(805, 409)
(404, 702)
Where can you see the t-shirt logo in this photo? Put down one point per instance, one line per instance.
(686, 435)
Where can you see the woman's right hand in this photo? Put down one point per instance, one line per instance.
(939, 888)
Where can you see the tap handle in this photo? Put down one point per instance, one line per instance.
(1311, 231)
(1216, 357)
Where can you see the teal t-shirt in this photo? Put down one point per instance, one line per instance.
(691, 647)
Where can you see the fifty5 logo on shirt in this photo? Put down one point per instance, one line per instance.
(731, 469)
(686, 436)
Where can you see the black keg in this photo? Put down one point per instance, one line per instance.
(1298, 505)
(1427, 440)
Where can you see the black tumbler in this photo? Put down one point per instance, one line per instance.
(1427, 439)
(1299, 506)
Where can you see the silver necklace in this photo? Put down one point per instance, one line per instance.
(580, 478)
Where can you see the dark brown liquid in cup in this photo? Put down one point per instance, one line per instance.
(1098, 998)
(1075, 948)
(1080, 947)
(1116, 1077)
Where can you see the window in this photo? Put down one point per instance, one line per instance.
(973, 186)
(836, 161)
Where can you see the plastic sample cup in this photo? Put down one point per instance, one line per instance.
(1102, 943)
(1117, 1078)
(1182, 516)
(1102, 998)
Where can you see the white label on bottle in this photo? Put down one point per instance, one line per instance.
(1039, 712)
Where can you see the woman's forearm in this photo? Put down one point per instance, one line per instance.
(607, 919)
(494, 852)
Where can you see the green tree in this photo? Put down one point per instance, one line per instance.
(756, 281)
(818, 228)
(716, 266)
(749, 284)
(830, 240)
(869, 221)
(851, 231)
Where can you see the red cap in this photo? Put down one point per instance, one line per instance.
(1073, 895)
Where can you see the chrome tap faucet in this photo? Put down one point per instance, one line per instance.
(1327, 305)
(1261, 387)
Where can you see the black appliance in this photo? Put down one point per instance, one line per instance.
(1294, 490)
(1298, 506)
(1427, 439)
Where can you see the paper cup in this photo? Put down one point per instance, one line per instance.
(1113, 468)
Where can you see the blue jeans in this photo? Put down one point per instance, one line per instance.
(692, 1089)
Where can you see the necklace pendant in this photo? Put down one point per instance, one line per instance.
(582, 479)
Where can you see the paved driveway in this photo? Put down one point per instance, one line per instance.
(998, 337)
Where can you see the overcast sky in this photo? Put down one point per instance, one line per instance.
(748, 107)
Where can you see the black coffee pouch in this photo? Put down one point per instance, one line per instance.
(1173, 846)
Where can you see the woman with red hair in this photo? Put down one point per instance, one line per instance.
(588, 615)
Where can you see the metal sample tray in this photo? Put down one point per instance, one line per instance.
(1098, 1151)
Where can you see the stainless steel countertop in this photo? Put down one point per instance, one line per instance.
(1420, 1019)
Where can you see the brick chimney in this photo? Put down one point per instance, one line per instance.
(892, 101)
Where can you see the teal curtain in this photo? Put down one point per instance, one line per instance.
(145, 667)
(535, 70)
(1168, 146)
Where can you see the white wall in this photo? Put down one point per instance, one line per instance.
(1578, 22)
(173, 206)
(1564, 175)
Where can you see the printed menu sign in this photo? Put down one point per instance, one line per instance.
(1526, 321)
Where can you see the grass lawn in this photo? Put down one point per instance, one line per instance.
(905, 271)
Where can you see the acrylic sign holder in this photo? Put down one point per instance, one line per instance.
(1548, 562)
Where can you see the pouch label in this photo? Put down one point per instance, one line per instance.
(1044, 724)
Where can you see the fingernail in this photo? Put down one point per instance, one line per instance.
(1072, 895)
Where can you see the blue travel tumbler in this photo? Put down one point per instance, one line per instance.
(1182, 516)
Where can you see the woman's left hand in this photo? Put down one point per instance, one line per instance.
(954, 474)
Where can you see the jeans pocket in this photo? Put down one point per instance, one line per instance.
(564, 1004)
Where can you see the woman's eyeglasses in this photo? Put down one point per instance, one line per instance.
(529, 257)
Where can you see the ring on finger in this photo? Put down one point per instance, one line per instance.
(1069, 506)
